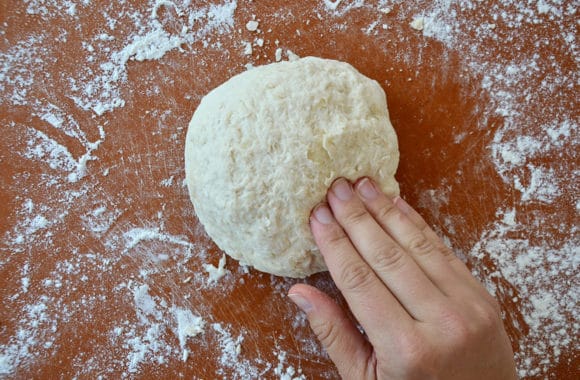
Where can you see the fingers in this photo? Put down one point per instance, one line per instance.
(423, 250)
(428, 232)
(345, 345)
(412, 233)
(389, 260)
(377, 310)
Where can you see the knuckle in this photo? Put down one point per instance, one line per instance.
(460, 337)
(336, 240)
(387, 211)
(355, 277)
(463, 328)
(488, 318)
(451, 319)
(355, 216)
(389, 259)
(420, 244)
(413, 356)
(326, 332)
(459, 331)
(446, 252)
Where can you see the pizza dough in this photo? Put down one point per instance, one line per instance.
(263, 148)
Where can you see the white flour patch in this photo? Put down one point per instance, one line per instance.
(341, 7)
(188, 325)
(144, 341)
(42, 147)
(529, 261)
(546, 296)
(37, 325)
(20, 67)
(137, 235)
(216, 273)
(230, 357)
(150, 339)
(125, 252)
(63, 150)
(98, 88)
(100, 219)
(287, 372)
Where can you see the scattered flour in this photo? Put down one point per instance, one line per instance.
(98, 89)
(278, 54)
(287, 372)
(247, 48)
(545, 303)
(533, 265)
(417, 23)
(252, 25)
(230, 348)
(188, 326)
(216, 273)
(139, 252)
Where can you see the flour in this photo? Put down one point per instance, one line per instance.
(145, 340)
(417, 23)
(215, 273)
(98, 89)
(126, 246)
(341, 7)
(247, 48)
(528, 151)
(230, 347)
(252, 25)
(542, 276)
(137, 235)
(546, 305)
(146, 344)
(188, 326)
(287, 372)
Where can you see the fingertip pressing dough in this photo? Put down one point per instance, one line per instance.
(262, 149)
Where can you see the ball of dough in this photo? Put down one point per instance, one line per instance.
(263, 148)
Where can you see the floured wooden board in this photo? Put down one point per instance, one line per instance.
(103, 265)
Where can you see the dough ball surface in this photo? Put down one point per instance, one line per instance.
(262, 149)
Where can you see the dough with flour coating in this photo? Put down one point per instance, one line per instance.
(263, 148)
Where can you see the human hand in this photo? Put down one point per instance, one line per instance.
(424, 315)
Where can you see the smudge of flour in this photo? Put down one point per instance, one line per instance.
(534, 242)
(531, 152)
(47, 298)
(130, 249)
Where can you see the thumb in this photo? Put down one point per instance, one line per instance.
(347, 347)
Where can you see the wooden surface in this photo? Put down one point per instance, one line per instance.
(100, 246)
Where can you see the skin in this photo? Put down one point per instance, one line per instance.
(423, 314)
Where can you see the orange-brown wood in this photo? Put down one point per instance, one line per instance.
(75, 254)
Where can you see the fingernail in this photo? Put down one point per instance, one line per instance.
(323, 214)
(367, 189)
(402, 205)
(342, 189)
(300, 301)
